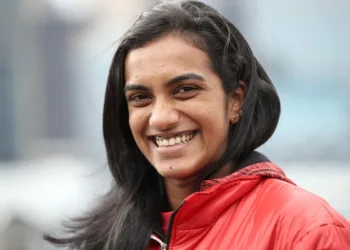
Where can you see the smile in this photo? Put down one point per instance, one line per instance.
(178, 139)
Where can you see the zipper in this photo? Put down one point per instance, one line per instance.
(162, 244)
(161, 238)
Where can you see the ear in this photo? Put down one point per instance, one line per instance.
(235, 102)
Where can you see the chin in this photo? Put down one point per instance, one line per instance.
(176, 172)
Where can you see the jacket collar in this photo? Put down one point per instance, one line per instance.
(202, 208)
(255, 164)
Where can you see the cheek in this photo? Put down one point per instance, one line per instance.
(137, 124)
(215, 125)
(214, 118)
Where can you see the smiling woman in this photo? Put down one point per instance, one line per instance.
(179, 114)
(186, 105)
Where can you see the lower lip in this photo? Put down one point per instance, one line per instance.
(174, 148)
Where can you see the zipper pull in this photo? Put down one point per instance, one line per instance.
(163, 246)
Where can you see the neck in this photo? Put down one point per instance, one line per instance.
(179, 189)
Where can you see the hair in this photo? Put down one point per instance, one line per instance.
(131, 210)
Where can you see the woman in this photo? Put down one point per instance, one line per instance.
(186, 105)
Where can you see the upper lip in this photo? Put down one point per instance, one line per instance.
(169, 135)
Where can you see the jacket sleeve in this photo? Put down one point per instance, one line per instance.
(327, 237)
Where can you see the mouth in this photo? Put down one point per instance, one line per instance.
(181, 138)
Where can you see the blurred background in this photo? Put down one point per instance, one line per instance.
(54, 60)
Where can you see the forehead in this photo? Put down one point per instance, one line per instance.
(167, 55)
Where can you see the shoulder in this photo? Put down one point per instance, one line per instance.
(304, 216)
(299, 202)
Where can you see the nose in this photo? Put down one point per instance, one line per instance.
(164, 116)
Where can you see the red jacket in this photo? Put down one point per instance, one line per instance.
(256, 208)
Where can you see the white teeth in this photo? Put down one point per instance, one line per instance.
(180, 139)
(172, 141)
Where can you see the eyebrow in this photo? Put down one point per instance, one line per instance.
(180, 78)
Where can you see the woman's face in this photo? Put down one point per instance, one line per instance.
(179, 114)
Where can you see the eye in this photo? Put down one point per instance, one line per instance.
(138, 97)
(186, 88)
(186, 91)
(139, 100)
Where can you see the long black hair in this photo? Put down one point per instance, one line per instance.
(130, 211)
